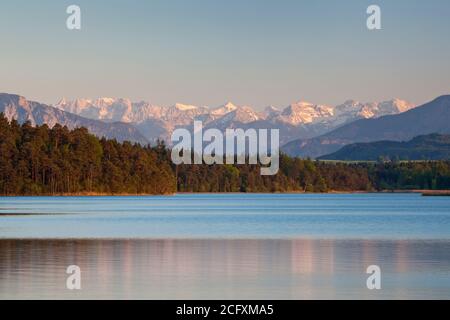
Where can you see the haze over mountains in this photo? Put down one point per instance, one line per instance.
(298, 120)
(19, 108)
(306, 129)
(429, 147)
(432, 117)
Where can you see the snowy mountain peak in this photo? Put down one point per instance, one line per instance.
(246, 114)
(271, 109)
(301, 104)
(103, 102)
(62, 102)
(352, 109)
(398, 105)
(224, 109)
(270, 112)
(307, 106)
(304, 113)
(184, 107)
(160, 121)
(82, 103)
(230, 106)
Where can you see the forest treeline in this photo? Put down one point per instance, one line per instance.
(39, 160)
(43, 161)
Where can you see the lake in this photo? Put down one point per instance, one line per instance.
(226, 246)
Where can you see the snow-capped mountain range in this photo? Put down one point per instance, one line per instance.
(301, 119)
(19, 108)
(430, 118)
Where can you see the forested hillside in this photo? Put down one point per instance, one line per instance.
(43, 161)
(39, 160)
(432, 117)
(428, 147)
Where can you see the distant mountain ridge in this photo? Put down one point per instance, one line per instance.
(19, 108)
(428, 147)
(432, 117)
(301, 119)
(145, 123)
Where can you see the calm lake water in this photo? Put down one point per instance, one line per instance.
(226, 246)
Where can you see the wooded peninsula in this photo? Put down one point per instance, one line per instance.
(58, 161)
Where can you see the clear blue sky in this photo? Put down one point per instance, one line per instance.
(207, 52)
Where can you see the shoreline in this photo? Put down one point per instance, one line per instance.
(91, 194)
(228, 239)
(428, 193)
(436, 193)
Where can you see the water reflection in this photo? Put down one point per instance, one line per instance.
(224, 269)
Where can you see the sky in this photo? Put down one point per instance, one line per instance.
(208, 52)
